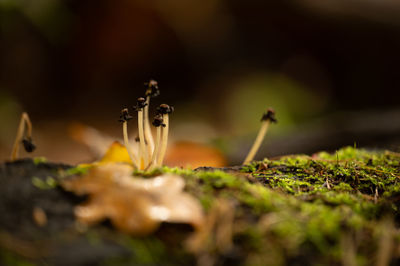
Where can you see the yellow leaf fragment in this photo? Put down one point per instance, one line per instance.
(116, 153)
(134, 205)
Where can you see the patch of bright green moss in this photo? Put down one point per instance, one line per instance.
(48, 183)
(39, 160)
(312, 201)
(78, 170)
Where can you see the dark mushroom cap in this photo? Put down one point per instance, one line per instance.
(152, 88)
(141, 103)
(158, 121)
(269, 116)
(165, 109)
(125, 116)
(28, 144)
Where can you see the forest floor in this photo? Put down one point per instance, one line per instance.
(324, 209)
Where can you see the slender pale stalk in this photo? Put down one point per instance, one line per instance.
(153, 162)
(147, 130)
(164, 141)
(257, 142)
(143, 158)
(127, 144)
(25, 122)
(28, 125)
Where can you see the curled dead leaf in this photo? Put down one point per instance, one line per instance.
(134, 205)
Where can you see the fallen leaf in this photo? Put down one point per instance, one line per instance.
(192, 155)
(134, 205)
(97, 142)
(116, 153)
(187, 154)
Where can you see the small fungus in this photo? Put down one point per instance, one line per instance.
(158, 123)
(143, 155)
(134, 205)
(150, 154)
(164, 110)
(24, 136)
(266, 120)
(124, 118)
(151, 91)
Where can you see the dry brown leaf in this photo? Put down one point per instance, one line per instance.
(134, 205)
(96, 141)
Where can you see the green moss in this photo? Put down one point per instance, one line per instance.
(296, 208)
(143, 173)
(39, 160)
(79, 170)
(48, 183)
(311, 201)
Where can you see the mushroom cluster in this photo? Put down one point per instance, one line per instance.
(151, 153)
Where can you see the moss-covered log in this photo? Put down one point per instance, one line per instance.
(325, 209)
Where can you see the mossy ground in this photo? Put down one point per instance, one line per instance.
(325, 209)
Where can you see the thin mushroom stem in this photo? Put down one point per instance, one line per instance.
(124, 118)
(164, 141)
(128, 145)
(18, 139)
(24, 125)
(266, 121)
(151, 92)
(28, 125)
(257, 142)
(164, 110)
(147, 131)
(143, 157)
(158, 123)
(156, 149)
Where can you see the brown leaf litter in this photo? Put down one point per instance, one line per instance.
(134, 205)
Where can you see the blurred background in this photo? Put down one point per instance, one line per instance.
(329, 68)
